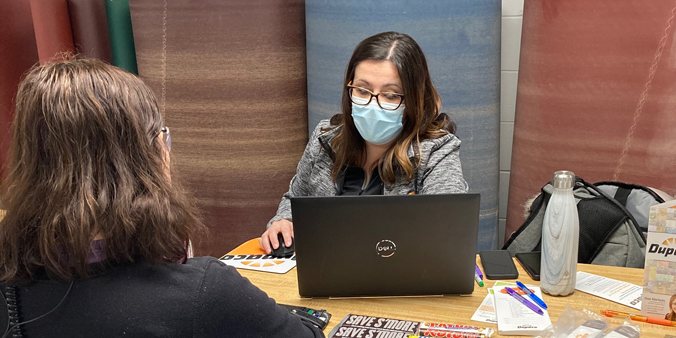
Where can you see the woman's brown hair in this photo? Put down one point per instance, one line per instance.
(422, 118)
(671, 315)
(85, 160)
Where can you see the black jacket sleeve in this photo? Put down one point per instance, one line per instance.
(230, 306)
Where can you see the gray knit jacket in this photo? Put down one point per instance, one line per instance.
(439, 172)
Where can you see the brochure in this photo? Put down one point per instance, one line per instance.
(617, 291)
(265, 263)
(250, 256)
(659, 276)
(486, 311)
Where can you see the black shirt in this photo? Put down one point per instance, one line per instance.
(352, 182)
(201, 298)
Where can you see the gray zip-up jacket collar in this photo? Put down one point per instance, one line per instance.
(439, 172)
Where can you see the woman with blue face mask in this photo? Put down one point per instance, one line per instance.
(390, 138)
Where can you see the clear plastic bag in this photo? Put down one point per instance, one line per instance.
(574, 323)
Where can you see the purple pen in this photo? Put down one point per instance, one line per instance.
(532, 296)
(478, 271)
(524, 301)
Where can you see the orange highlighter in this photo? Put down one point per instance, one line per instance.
(639, 318)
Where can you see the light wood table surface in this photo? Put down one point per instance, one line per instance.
(450, 309)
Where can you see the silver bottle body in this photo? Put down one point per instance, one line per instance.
(560, 238)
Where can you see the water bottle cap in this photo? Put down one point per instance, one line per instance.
(563, 179)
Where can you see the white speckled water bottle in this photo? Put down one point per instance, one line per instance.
(560, 237)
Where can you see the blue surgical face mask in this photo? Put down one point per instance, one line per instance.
(377, 125)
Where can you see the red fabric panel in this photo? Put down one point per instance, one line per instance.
(233, 76)
(18, 54)
(52, 28)
(596, 95)
(90, 29)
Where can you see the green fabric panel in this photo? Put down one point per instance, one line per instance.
(121, 35)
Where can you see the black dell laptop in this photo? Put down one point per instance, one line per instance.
(361, 246)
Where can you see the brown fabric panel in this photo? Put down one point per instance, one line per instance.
(235, 101)
(90, 29)
(18, 53)
(52, 28)
(584, 68)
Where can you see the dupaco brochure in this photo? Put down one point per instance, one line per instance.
(659, 275)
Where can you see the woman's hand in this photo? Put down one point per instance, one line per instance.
(268, 239)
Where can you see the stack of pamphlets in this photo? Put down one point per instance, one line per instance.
(512, 317)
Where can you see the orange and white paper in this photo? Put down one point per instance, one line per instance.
(250, 256)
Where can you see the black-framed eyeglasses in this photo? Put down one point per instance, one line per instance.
(385, 100)
(166, 136)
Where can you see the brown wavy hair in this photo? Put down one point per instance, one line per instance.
(86, 160)
(671, 315)
(422, 118)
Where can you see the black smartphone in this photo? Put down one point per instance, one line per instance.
(498, 264)
(530, 261)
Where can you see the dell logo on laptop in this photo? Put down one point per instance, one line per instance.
(386, 248)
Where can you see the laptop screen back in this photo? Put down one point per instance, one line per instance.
(350, 246)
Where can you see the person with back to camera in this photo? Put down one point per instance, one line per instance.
(390, 139)
(94, 240)
(672, 309)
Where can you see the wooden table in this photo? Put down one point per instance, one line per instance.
(450, 309)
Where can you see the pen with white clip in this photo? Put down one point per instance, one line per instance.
(532, 296)
(524, 301)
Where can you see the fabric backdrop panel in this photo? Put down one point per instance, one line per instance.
(18, 53)
(231, 77)
(121, 35)
(461, 41)
(596, 95)
(90, 29)
(51, 24)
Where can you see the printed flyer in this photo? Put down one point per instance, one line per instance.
(265, 263)
(617, 291)
(659, 281)
(250, 256)
(486, 311)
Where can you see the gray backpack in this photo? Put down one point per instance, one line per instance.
(609, 232)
